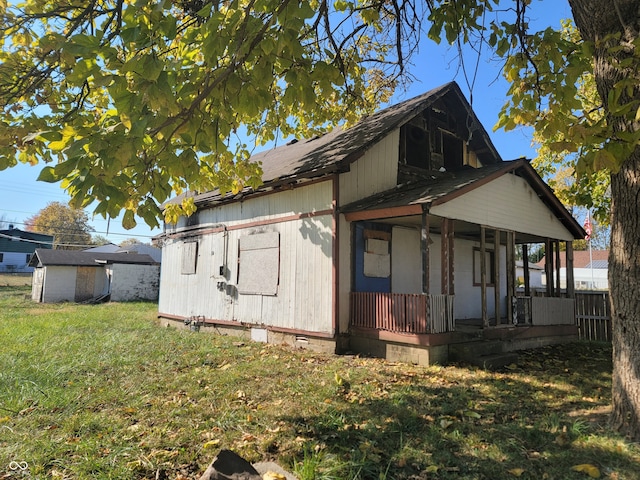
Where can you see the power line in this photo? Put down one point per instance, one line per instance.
(79, 232)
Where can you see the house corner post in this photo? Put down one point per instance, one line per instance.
(558, 268)
(496, 275)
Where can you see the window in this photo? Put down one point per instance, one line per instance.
(415, 144)
(377, 260)
(489, 265)
(259, 264)
(189, 257)
(28, 258)
(1, 257)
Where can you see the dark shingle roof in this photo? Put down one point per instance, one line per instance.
(334, 151)
(45, 257)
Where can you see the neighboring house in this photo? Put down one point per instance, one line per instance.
(17, 247)
(590, 270)
(535, 273)
(391, 238)
(141, 248)
(75, 276)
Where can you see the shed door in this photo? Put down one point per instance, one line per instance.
(85, 282)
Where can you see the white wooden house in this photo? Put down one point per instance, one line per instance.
(395, 237)
(75, 276)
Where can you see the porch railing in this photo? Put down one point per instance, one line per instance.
(544, 311)
(402, 313)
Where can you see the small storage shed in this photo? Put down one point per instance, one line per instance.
(75, 276)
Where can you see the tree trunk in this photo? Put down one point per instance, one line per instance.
(596, 19)
(624, 282)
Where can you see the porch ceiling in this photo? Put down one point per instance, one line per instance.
(462, 229)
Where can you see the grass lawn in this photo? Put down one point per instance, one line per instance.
(102, 392)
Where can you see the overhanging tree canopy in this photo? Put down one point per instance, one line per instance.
(130, 100)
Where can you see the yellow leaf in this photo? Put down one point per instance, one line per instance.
(432, 469)
(444, 423)
(472, 414)
(273, 476)
(516, 472)
(587, 468)
(225, 366)
(211, 443)
(57, 145)
(126, 121)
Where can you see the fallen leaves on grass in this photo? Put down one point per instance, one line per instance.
(587, 468)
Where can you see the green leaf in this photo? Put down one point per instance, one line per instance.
(47, 174)
(128, 220)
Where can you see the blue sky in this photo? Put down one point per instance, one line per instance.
(21, 196)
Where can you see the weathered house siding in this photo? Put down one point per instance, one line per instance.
(508, 203)
(302, 219)
(133, 282)
(374, 172)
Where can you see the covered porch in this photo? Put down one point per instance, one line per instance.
(437, 263)
(500, 298)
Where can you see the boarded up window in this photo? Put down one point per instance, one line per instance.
(489, 265)
(259, 264)
(189, 258)
(377, 260)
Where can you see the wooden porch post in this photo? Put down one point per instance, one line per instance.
(525, 266)
(483, 276)
(424, 249)
(452, 272)
(511, 274)
(446, 257)
(496, 274)
(571, 286)
(548, 266)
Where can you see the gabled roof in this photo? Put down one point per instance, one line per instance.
(412, 198)
(46, 257)
(333, 152)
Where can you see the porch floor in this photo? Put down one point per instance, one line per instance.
(472, 325)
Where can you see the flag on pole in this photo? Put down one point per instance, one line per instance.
(587, 227)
